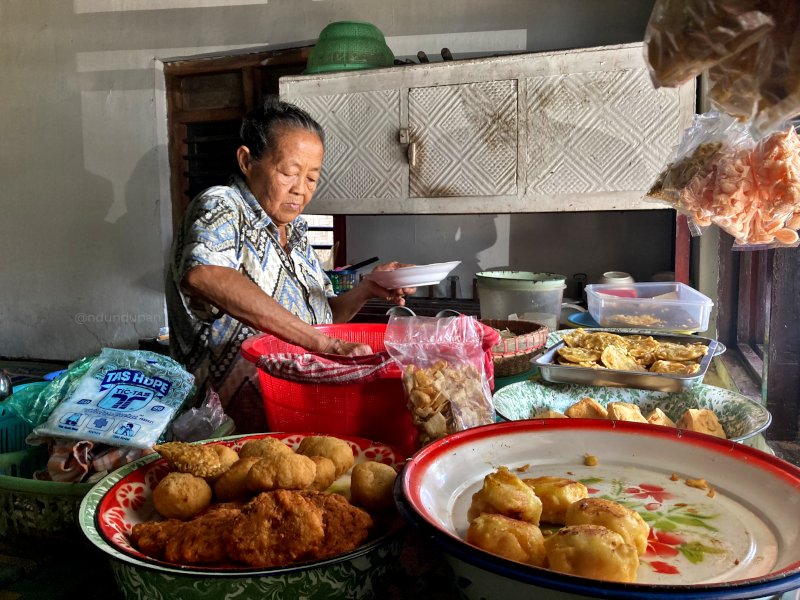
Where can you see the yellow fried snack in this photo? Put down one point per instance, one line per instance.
(325, 474)
(600, 340)
(503, 493)
(616, 357)
(549, 414)
(264, 447)
(289, 472)
(509, 538)
(586, 365)
(659, 417)
(227, 456)
(678, 368)
(701, 420)
(371, 486)
(339, 451)
(578, 355)
(586, 408)
(556, 494)
(232, 484)
(625, 411)
(592, 551)
(599, 511)
(181, 496)
(201, 461)
(574, 338)
(680, 352)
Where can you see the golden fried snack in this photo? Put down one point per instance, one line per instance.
(227, 456)
(578, 355)
(599, 511)
(325, 474)
(289, 472)
(586, 408)
(339, 451)
(600, 340)
(275, 529)
(701, 420)
(199, 460)
(232, 484)
(625, 411)
(181, 496)
(371, 486)
(346, 526)
(503, 493)
(151, 537)
(678, 368)
(556, 494)
(592, 551)
(616, 357)
(574, 338)
(264, 447)
(549, 414)
(202, 540)
(659, 417)
(509, 538)
(680, 352)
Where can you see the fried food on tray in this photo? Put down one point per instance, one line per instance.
(275, 529)
(339, 451)
(346, 526)
(617, 357)
(669, 366)
(181, 496)
(556, 494)
(592, 551)
(586, 408)
(625, 411)
(371, 486)
(701, 420)
(680, 352)
(659, 417)
(504, 493)
(578, 355)
(264, 447)
(196, 459)
(325, 474)
(600, 340)
(151, 537)
(509, 538)
(288, 472)
(203, 539)
(232, 485)
(616, 517)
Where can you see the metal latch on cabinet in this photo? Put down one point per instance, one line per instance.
(411, 147)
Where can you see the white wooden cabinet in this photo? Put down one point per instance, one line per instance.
(558, 131)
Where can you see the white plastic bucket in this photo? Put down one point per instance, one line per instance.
(521, 295)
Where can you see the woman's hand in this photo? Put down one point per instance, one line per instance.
(390, 295)
(345, 306)
(342, 348)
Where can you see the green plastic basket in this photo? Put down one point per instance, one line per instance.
(349, 45)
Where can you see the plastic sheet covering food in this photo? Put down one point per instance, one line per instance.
(720, 174)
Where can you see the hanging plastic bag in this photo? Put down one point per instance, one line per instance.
(721, 175)
(445, 378)
(125, 398)
(200, 423)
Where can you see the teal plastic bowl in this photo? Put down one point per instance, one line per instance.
(348, 46)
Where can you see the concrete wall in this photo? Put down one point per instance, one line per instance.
(84, 197)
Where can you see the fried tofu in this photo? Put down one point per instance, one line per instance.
(586, 408)
(702, 420)
(625, 411)
(659, 417)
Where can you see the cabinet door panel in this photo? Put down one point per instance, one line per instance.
(362, 155)
(466, 139)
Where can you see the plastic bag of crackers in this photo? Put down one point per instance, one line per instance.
(445, 375)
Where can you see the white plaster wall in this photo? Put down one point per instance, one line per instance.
(83, 200)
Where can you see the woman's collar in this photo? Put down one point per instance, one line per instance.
(295, 231)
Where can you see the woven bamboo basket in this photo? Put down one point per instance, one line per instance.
(512, 355)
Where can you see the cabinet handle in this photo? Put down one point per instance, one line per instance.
(412, 154)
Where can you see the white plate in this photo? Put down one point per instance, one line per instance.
(415, 276)
(742, 542)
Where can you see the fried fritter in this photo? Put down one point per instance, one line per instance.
(556, 494)
(339, 451)
(227, 456)
(200, 461)
(509, 538)
(151, 537)
(503, 493)
(264, 447)
(232, 485)
(372, 486)
(181, 496)
(288, 472)
(346, 526)
(325, 475)
(203, 539)
(275, 529)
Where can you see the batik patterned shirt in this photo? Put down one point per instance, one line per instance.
(225, 226)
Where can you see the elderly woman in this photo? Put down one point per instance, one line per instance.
(241, 264)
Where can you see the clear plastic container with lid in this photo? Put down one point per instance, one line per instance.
(521, 295)
(662, 305)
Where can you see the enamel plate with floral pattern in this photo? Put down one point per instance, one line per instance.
(738, 538)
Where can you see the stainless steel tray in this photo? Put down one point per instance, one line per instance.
(662, 382)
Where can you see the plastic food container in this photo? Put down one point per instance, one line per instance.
(661, 306)
(521, 295)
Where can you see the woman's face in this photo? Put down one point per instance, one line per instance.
(284, 180)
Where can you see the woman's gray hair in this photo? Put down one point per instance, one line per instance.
(262, 126)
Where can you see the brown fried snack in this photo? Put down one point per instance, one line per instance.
(288, 472)
(325, 475)
(232, 485)
(151, 537)
(339, 451)
(203, 539)
(372, 485)
(200, 461)
(227, 455)
(346, 526)
(275, 529)
(264, 447)
(181, 496)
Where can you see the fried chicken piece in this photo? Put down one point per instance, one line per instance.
(346, 526)
(203, 539)
(151, 537)
(275, 529)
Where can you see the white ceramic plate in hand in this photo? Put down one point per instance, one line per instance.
(741, 541)
(415, 276)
